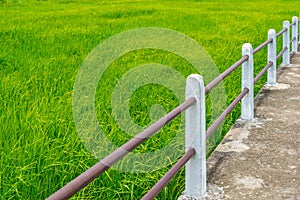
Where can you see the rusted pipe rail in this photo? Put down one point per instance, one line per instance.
(225, 113)
(292, 24)
(88, 176)
(260, 47)
(222, 76)
(281, 32)
(153, 192)
(281, 52)
(262, 72)
(292, 40)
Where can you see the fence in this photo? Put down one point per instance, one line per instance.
(194, 158)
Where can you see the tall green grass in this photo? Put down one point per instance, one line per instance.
(42, 45)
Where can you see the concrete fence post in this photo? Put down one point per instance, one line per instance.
(286, 43)
(272, 58)
(295, 34)
(195, 172)
(247, 82)
(298, 28)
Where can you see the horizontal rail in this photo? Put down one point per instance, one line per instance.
(89, 175)
(217, 80)
(153, 192)
(281, 52)
(294, 38)
(292, 24)
(262, 45)
(262, 72)
(226, 112)
(281, 32)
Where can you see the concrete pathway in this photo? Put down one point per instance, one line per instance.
(261, 159)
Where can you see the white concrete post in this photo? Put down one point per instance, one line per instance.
(286, 43)
(295, 34)
(247, 82)
(272, 58)
(195, 171)
(298, 28)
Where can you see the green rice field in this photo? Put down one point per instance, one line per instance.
(44, 43)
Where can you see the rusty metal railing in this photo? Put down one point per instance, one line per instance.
(225, 113)
(281, 52)
(88, 176)
(195, 158)
(260, 47)
(153, 192)
(281, 32)
(263, 71)
(226, 73)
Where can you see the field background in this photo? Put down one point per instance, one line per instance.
(42, 45)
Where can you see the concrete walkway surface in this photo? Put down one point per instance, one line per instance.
(261, 159)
